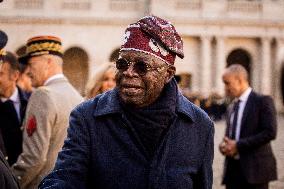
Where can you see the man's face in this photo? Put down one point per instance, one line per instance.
(38, 70)
(141, 90)
(7, 80)
(24, 80)
(232, 85)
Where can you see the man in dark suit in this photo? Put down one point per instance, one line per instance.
(13, 102)
(251, 125)
(7, 179)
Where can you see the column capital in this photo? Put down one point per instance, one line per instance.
(266, 39)
(220, 37)
(279, 40)
(206, 37)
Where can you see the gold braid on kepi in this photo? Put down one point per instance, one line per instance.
(42, 45)
(2, 52)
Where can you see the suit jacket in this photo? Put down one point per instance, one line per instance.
(7, 179)
(11, 127)
(258, 128)
(45, 128)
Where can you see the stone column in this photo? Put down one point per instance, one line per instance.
(265, 67)
(220, 64)
(205, 65)
(147, 5)
(277, 76)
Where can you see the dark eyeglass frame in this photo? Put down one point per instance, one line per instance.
(139, 66)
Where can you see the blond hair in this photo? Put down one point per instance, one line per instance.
(94, 84)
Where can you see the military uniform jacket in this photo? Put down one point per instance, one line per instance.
(103, 151)
(44, 130)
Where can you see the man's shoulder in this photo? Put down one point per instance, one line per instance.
(191, 110)
(60, 83)
(88, 104)
(39, 101)
(101, 104)
(258, 97)
(40, 96)
(57, 89)
(40, 92)
(200, 121)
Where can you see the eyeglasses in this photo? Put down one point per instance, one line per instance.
(140, 66)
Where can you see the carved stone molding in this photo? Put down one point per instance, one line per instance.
(123, 5)
(52, 21)
(244, 6)
(76, 5)
(29, 4)
(191, 5)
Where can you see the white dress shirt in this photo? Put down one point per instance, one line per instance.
(243, 101)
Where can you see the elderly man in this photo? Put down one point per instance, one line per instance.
(46, 120)
(143, 133)
(7, 179)
(251, 125)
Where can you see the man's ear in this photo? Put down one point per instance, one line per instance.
(15, 75)
(171, 71)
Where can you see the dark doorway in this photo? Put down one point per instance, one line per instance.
(75, 67)
(240, 56)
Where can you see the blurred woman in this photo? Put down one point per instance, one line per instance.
(103, 79)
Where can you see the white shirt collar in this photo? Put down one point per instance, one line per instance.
(245, 95)
(57, 76)
(14, 97)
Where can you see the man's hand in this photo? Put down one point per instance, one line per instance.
(228, 147)
(222, 147)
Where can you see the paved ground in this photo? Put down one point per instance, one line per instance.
(278, 148)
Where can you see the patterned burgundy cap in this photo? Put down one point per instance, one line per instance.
(155, 36)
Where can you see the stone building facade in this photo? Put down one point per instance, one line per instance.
(216, 33)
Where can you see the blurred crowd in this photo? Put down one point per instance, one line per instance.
(214, 105)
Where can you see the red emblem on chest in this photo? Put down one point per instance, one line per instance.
(31, 126)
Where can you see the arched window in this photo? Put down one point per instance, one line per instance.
(242, 57)
(75, 67)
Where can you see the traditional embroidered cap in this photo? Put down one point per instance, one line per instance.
(3, 42)
(42, 45)
(155, 36)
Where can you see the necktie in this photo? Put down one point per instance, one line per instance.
(10, 108)
(234, 125)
